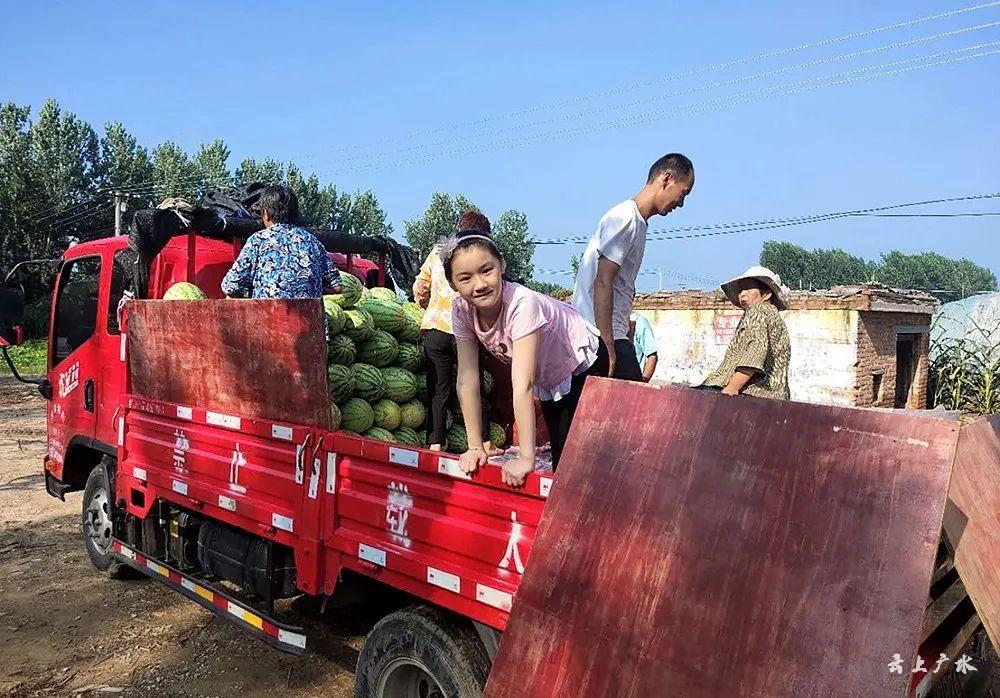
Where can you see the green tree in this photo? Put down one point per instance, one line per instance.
(124, 165)
(367, 216)
(267, 171)
(439, 221)
(19, 199)
(956, 278)
(574, 264)
(173, 172)
(210, 166)
(802, 268)
(510, 231)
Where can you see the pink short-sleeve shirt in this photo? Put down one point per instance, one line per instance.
(564, 336)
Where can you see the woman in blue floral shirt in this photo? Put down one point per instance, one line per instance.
(283, 260)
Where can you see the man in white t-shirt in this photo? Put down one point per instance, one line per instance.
(605, 282)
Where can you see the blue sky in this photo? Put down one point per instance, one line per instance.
(306, 81)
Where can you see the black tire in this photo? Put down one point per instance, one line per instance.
(96, 518)
(421, 652)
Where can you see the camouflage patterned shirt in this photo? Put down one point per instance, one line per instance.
(760, 342)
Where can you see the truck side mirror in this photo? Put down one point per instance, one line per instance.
(11, 314)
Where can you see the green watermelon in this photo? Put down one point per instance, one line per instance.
(422, 436)
(350, 292)
(184, 291)
(359, 325)
(368, 382)
(412, 414)
(335, 416)
(379, 350)
(387, 414)
(340, 379)
(409, 357)
(421, 379)
(405, 435)
(341, 350)
(458, 440)
(412, 315)
(387, 315)
(400, 384)
(356, 415)
(487, 383)
(380, 434)
(335, 317)
(384, 294)
(498, 437)
(449, 419)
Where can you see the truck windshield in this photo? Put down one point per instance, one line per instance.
(76, 306)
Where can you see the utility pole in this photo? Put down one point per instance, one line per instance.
(119, 209)
(659, 273)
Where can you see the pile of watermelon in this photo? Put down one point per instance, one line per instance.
(376, 373)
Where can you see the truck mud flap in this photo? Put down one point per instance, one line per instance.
(702, 545)
(287, 638)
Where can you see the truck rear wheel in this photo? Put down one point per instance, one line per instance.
(98, 504)
(421, 652)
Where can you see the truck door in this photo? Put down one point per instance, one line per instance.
(74, 356)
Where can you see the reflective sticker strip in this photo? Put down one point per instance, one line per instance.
(544, 486)
(245, 615)
(493, 597)
(158, 568)
(445, 580)
(127, 552)
(404, 456)
(331, 472)
(139, 474)
(290, 638)
(282, 522)
(179, 487)
(374, 555)
(280, 432)
(449, 466)
(184, 412)
(222, 420)
(121, 352)
(227, 503)
(121, 431)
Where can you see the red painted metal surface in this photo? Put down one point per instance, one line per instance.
(700, 545)
(972, 519)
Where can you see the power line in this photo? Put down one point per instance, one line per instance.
(748, 97)
(669, 95)
(499, 116)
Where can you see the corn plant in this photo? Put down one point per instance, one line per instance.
(965, 373)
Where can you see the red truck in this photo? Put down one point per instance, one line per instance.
(200, 435)
(198, 493)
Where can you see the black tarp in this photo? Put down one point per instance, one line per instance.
(233, 215)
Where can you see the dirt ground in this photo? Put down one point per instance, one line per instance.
(66, 629)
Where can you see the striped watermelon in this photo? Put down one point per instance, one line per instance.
(335, 416)
(378, 350)
(405, 435)
(410, 356)
(498, 437)
(335, 318)
(350, 292)
(412, 414)
(380, 434)
(487, 382)
(341, 350)
(421, 385)
(356, 415)
(458, 440)
(387, 414)
(368, 382)
(384, 294)
(184, 291)
(387, 315)
(359, 325)
(400, 384)
(422, 436)
(412, 315)
(341, 382)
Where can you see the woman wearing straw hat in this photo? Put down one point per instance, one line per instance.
(756, 361)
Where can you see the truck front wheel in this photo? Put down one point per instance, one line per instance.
(420, 652)
(97, 527)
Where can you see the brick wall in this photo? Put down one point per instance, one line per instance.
(876, 346)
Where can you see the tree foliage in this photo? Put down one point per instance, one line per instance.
(948, 278)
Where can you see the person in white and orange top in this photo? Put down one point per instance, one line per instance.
(434, 294)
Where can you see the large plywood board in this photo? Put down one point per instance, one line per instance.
(251, 358)
(700, 545)
(972, 519)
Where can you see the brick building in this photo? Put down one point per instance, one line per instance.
(864, 346)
